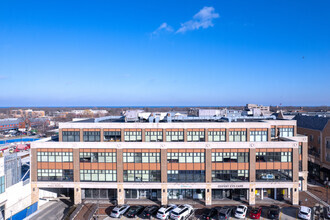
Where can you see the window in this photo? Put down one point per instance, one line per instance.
(70, 136)
(98, 157)
(311, 137)
(227, 157)
(273, 157)
(285, 132)
(98, 175)
(133, 136)
(192, 157)
(54, 156)
(273, 132)
(112, 136)
(154, 136)
(217, 136)
(328, 144)
(2, 184)
(258, 136)
(55, 175)
(237, 135)
(195, 135)
(91, 136)
(230, 175)
(141, 175)
(186, 176)
(130, 157)
(273, 175)
(174, 136)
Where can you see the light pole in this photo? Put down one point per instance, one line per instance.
(327, 184)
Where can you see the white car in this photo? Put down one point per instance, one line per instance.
(119, 211)
(305, 212)
(328, 213)
(182, 212)
(241, 211)
(165, 211)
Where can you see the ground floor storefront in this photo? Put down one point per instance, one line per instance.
(279, 194)
(230, 194)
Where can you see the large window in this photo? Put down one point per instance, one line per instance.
(99, 193)
(273, 157)
(111, 136)
(54, 156)
(186, 176)
(98, 157)
(70, 136)
(91, 136)
(237, 135)
(273, 175)
(285, 132)
(134, 135)
(273, 132)
(154, 135)
(2, 184)
(195, 135)
(141, 175)
(98, 175)
(258, 135)
(55, 175)
(215, 135)
(235, 157)
(230, 175)
(192, 157)
(146, 157)
(175, 135)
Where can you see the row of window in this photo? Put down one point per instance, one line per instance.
(185, 157)
(98, 157)
(55, 175)
(186, 175)
(273, 175)
(98, 175)
(273, 157)
(141, 157)
(173, 136)
(54, 157)
(141, 175)
(2, 184)
(233, 157)
(230, 175)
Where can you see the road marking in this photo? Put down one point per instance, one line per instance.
(280, 215)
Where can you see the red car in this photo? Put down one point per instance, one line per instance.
(255, 213)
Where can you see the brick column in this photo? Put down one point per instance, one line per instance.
(208, 165)
(60, 136)
(120, 166)
(164, 194)
(304, 156)
(206, 135)
(77, 194)
(295, 165)
(269, 134)
(252, 194)
(122, 135)
(34, 193)
(101, 135)
(247, 134)
(295, 130)
(185, 135)
(76, 165)
(295, 194)
(143, 133)
(252, 171)
(163, 165)
(81, 135)
(34, 164)
(227, 135)
(208, 195)
(120, 194)
(164, 135)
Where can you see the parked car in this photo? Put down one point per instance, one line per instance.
(305, 212)
(224, 213)
(241, 211)
(182, 212)
(118, 211)
(255, 213)
(327, 214)
(273, 212)
(134, 211)
(165, 211)
(209, 214)
(150, 211)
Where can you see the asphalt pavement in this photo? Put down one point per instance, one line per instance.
(53, 210)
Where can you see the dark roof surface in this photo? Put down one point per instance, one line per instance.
(311, 122)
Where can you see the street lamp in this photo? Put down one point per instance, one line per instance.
(327, 184)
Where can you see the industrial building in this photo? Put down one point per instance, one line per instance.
(170, 157)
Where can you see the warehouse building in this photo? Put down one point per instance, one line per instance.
(177, 157)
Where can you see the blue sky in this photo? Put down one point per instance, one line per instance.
(114, 53)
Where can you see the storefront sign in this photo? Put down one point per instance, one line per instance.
(231, 186)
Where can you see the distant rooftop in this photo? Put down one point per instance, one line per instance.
(316, 122)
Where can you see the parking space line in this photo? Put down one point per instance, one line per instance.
(280, 215)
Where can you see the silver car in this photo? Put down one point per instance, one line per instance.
(119, 211)
(182, 212)
(165, 211)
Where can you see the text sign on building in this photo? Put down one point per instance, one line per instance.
(231, 186)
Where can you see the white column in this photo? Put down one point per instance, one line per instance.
(262, 194)
(289, 193)
(275, 195)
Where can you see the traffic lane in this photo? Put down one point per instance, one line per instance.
(54, 212)
(288, 213)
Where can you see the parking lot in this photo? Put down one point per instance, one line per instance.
(286, 213)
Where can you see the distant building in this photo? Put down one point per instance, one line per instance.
(317, 128)
(257, 110)
(24, 113)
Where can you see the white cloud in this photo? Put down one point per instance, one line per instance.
(203, 19)
(163, 27)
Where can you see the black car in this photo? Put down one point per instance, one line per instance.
(149, 211)
(224, 213)
(209, 214)
(134, 211)
(273, 212)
